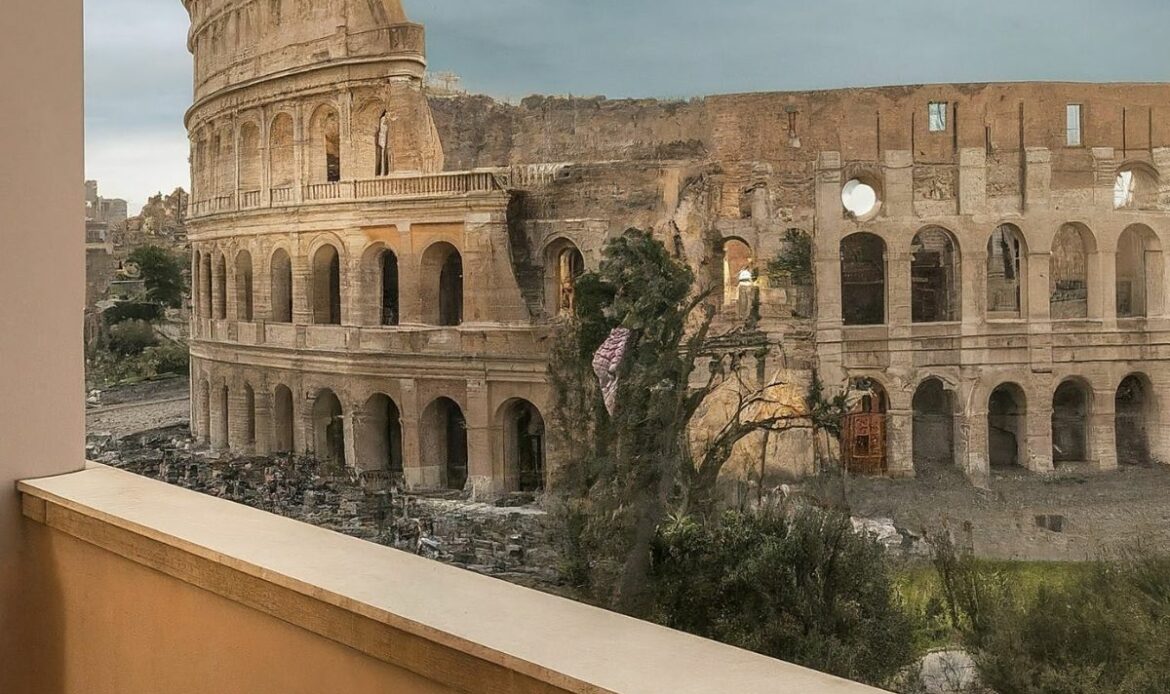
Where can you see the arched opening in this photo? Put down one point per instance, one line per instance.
(327, 286)
(1071, 404)
(863, 279)
(738, 269)
(251, 171)
(281, 280)
(220, 276)
(283, 438)
(1069, 272)
(1006, 272)
(325, 146)
(524, 446)
(249, 415)
(389, 289)
(1139, 272)
(860, 198)
(197, 284)
(1007, 412)
(205, 308)
(383, 150)
(444, 443)
(281, 156)
(442, 283)
(567, 264)
(935, 277)
(1134, 407)
(227, 162)
(1136, 187)
(244, 290)
(863, 442)
(328, 428)
(934, 425)
(380, 439)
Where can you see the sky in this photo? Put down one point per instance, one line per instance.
(138, 70)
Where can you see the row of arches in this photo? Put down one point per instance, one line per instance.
(440, 269)
(227, 159)
(378, 435)
(1076, 430)
(936, 277)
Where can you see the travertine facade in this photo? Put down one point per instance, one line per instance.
(377, 272)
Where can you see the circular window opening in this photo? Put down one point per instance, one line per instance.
(859, 198)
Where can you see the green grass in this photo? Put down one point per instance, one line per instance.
(919, 588)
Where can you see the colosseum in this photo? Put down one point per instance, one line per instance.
(379, 267)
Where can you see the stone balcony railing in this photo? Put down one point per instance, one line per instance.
(398, 187)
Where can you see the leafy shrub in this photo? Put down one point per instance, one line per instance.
(1104, 630)
(133, 310)
(804, 588)
(131, 337)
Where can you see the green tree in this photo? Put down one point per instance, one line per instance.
(162, 273)
(623, 474)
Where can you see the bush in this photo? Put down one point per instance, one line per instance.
(804, 588)
(1101, 631)
(133, 310)
(131, 337)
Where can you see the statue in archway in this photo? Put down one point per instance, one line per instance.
(382, 168)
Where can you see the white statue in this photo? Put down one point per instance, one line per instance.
(382, 168)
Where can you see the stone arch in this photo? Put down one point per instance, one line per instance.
(1136, 187)
(524, 445)
(326, 283)
(281, 151)
(864, 446)
(1073, 248)
(283, 420)
(1139, 272)
(563, 264)
(324, 145)
(378, 436)
(934, 424)
(251, 171)
(936, 277)
(863, 279)
(328, 428)
(220, 293)
(380, 286)
(372, 146)
(281, 286)
(443, 432)
(1135, 413)
(1072, 407)
(737, 264)
(1007, 272)
(245, 303)
(1007, 426)
(441, 282)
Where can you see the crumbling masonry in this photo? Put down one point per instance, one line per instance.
(377, 272)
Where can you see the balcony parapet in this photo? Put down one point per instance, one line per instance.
(454, 630)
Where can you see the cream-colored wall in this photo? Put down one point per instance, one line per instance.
(42, 280)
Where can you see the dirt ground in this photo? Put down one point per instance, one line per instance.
(1069, 516)
(142, 407)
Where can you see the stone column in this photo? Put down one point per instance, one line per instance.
(237, 417)
(219, 418)
(1102, 429)
(415, 475)
(409, 292)
(1107, 287)
(265, 157)
(215, 285)
(301, 276)
(900, 443)
(1158, 414)
(264, 414)
(299, 154)
(232, 303)
(350, 418)
(1037, 453)
(971, 438)
(479, 450)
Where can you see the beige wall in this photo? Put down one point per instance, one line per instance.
(42, 276)
(133, 630)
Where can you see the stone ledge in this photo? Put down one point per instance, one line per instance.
(461, 630)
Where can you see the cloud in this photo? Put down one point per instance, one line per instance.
(139, 71)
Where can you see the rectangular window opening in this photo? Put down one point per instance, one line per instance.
(1073, 127)
(938, 116)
